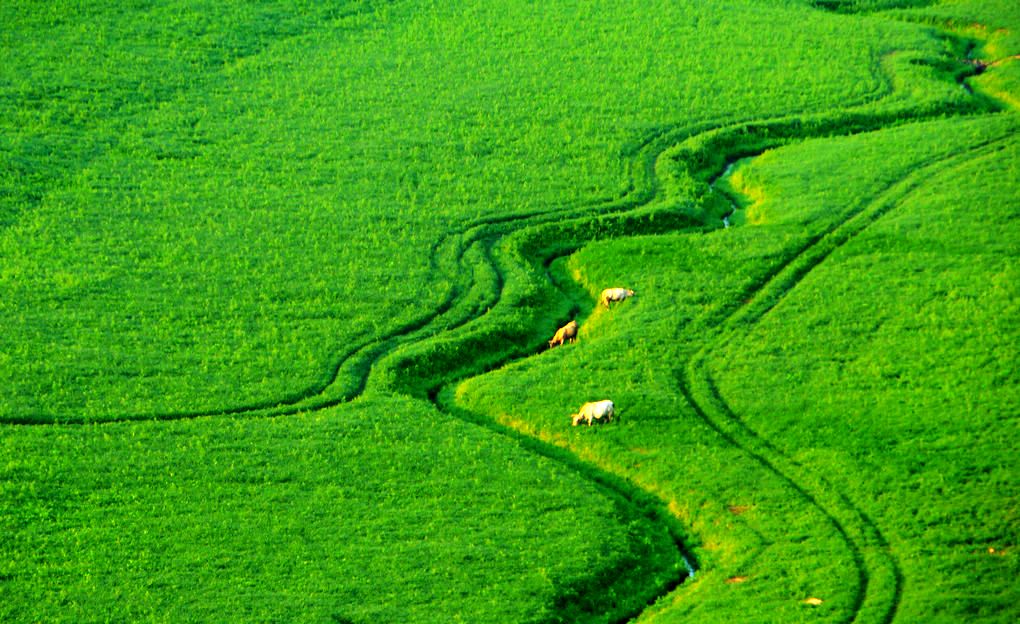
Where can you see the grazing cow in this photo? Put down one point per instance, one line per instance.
(596, 411)
(565, 333)
(615, 294)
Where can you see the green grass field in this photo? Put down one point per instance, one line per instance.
(276, 280)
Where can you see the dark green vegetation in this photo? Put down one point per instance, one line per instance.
(268, 211)
(855, 6)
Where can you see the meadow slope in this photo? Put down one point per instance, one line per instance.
(276, 284)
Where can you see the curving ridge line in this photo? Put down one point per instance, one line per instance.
(876, 564)
(476, 234)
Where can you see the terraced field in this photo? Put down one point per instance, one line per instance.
(277, 283)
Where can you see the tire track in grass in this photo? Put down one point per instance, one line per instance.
(436, 395)
(876, 564)
(440, 396)
(480, 239)
(751, 128)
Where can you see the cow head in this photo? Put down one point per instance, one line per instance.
(575, 419)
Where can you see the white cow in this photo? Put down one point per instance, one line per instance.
(565, 333)
(592, 412)
(615, 294)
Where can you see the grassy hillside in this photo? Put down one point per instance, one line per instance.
(276, 280)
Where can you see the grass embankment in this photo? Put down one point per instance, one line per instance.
(215, 216)
(992, 29)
